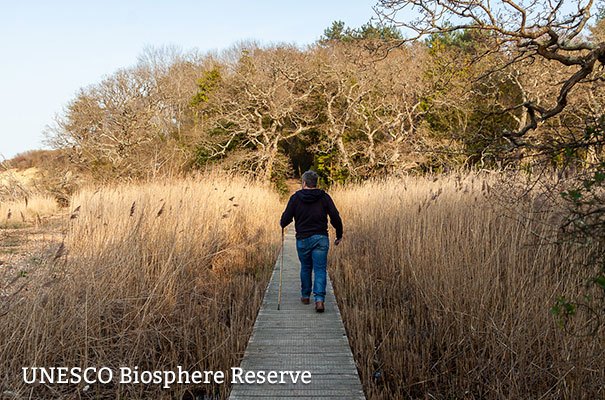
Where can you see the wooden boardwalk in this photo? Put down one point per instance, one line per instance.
(296, 338)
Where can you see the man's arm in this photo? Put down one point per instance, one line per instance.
(334, 217)
(288, 214)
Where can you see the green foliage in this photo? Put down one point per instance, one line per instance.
(329, 168)
(201, 156)
(464, 41)
(584, 224)
(278, 182)
(221, 138)
(206, 84)
(377, 32)
(338, 32)
(563, 309)
(456, 40)
(335, 32)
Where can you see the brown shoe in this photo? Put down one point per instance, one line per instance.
(319, 306)
(305, 300)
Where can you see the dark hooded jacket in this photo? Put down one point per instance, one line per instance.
(310, 209)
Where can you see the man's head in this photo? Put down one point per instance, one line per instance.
(309, 179)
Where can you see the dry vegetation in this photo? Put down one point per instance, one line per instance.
(149, 275)
(458, 98)
(40, 173)
(445, 296)
(16, 184)
(27, 211)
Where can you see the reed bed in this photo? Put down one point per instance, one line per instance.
(27, 211)
(446, 296)
(154, 275)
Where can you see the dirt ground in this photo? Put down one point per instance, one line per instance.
(293, 185)
(24, 250)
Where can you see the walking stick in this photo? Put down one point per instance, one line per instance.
(281, 267)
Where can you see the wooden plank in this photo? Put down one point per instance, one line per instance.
(296, 338)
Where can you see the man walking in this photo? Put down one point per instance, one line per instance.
(310, 207)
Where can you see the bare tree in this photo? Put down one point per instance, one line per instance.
(391, 116)
(372, 111)
(522, 31)
(261, 100)
(341, 90)
(131, 123)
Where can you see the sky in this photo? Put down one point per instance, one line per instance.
(51, 49)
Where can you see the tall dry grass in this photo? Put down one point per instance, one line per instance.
(150, 275)
(445, 296)
(27, 211)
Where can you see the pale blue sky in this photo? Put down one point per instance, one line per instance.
(50, 49)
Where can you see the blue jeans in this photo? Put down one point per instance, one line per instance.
(313, 256)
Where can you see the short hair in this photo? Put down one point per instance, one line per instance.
(310, 178)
